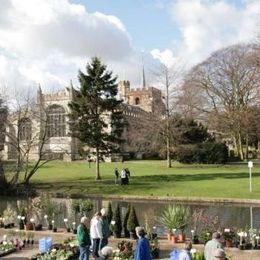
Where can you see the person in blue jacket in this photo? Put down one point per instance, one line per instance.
(142, 251)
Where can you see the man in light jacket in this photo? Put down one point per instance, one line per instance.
(211, 246)
(96, 233)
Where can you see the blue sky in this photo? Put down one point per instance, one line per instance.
(46, 42)
(149, 22)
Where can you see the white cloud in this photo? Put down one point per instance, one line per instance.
(47, 41)
(207, 25)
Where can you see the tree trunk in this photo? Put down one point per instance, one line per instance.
(98, 177)
(169, 163)
(3, 181)
(246, 155)
(240, 147)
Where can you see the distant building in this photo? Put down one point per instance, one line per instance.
(50, 117)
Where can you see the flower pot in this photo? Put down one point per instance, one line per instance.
(28, 226)
(75, 231)
(38, 227)
(50, 227)
(195, 240)
(21, 226)
(117, 234)
(181, 238)
(174, 239)
(228, 243)
(241, 247)
(169, 236)
(68, 230)
(32, 242)
(54, 230)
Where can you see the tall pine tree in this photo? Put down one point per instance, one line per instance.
(96, 117)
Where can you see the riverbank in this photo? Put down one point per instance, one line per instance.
(165, 247)
(152, 180)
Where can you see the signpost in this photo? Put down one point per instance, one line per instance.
(250, 166)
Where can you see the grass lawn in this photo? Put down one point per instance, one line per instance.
(150, 178)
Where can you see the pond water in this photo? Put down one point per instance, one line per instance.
(230, 216)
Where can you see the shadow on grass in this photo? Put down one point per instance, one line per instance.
(194, 177)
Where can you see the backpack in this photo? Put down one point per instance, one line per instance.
(174, 255)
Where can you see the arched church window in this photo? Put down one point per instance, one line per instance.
(56, 125)
(137, 101)
(25, 129)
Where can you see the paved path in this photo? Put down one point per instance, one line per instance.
(165, 246)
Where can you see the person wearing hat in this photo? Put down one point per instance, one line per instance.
(220, 254)
(212, 245)
(83, 238)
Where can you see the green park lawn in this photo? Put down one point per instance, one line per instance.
(150, 178)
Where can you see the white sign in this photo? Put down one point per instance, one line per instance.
(250, 164)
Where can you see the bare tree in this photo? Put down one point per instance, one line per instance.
(226, 85)
(168, 77)
(26, 137)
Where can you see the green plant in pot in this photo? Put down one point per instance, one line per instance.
(132, 222)
(116, 223)
(175, 217)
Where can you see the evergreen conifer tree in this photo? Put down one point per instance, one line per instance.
(126, 231)
(118, 222)
(132, 221)
(96, 118)
(109, 212)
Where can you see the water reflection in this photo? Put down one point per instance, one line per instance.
(230, 215)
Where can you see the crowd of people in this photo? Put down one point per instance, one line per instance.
(92, 236)
(123, 177)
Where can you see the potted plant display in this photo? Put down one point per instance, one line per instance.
(228, 236)
(175, 217)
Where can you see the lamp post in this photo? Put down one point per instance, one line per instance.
(250, 166)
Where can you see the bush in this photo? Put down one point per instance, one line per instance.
(109, 212)
(126, 231)
(117, 228)
(209, 153)
(132, 221)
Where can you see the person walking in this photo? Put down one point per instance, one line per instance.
(104, 228)
(96, 233)
(212, 245)
(123, 177)
(83, 238)
(127, 175)
(116, 175)
(142, 251)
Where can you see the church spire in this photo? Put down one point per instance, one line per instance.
(143, 74)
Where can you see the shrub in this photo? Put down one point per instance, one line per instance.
(82, 207)
(109, 212)
(118, 223)
(126, 231)
(132, 221)
(209, 153)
